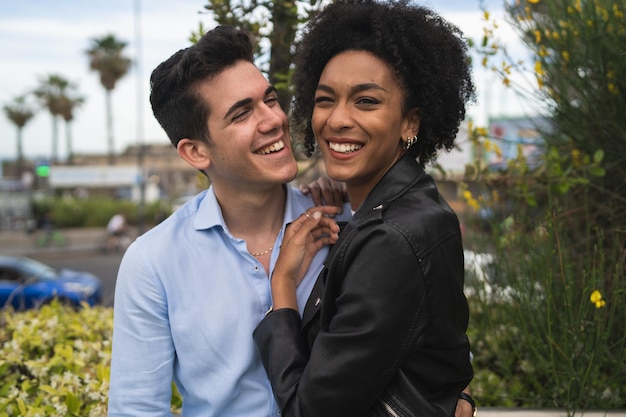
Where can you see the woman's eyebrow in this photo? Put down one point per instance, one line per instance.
(354, 89)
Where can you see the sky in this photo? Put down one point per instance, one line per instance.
(42, 37)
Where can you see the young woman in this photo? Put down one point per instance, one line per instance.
(381, 88)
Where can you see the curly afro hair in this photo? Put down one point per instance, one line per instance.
(427, 54)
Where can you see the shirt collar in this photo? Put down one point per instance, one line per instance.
(209, 213)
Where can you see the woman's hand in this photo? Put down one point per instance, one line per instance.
(463, 407)
(304, 237)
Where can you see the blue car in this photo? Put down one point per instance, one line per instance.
(26, 283)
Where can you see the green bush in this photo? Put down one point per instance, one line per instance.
(55, 361)
(547, 327)
(547, 321)
(93, 212)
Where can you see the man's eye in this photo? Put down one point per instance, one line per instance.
(240, 115)
(271, 100)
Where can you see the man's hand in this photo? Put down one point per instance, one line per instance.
(325, 191)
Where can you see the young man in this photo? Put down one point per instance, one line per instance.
(190, 291)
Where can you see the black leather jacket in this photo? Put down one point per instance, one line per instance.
(383, 333)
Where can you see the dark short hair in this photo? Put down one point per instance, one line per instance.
(427, 54)
(174, 97)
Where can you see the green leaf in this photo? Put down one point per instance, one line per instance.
(598, 156)
(597, 171)
(72, 402)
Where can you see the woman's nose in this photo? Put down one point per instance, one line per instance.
(339, 117)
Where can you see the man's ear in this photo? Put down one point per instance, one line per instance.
(195, 152)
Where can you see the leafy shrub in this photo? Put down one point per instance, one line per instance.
(92, 212)
(55, 361)
(547, 320)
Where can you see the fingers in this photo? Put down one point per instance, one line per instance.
(320, 216)
(323, 230)
(326, 191)
(335, 195)
(314, 224)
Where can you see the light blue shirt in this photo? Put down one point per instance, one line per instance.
(187, 299)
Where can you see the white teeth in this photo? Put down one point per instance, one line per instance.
(344, 147)
(274, 147)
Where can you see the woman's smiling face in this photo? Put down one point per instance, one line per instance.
(358, 120)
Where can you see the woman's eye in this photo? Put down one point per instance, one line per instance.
(367, 100)
(322, 99)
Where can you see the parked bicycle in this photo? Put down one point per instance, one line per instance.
(50, 238)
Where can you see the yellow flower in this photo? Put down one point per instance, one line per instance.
(576, 157)
(533, 1)
(537, 36)
(470, 200)
(565, 55)
(596, 298)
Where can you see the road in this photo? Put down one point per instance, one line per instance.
(103, 266)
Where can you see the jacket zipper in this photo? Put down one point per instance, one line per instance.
(389, 410)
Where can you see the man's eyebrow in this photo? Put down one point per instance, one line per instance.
(246, 101)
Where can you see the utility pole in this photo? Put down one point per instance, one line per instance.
(141, 210)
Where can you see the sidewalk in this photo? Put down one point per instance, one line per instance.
(520, 412)
(19, 243)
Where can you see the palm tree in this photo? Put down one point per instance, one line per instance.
(68, 105)
(52, 93)
(20, 112)
(105, 57)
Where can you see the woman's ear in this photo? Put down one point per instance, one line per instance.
(412, 123)
(195, 152)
